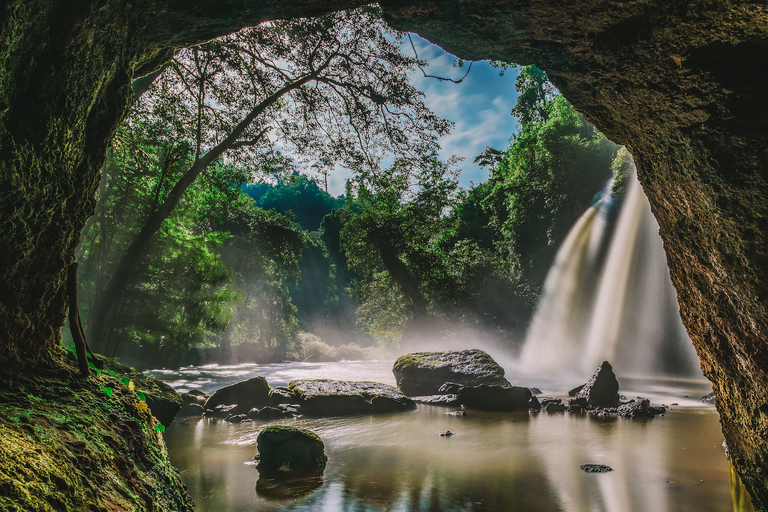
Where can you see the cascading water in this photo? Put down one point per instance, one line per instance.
(608, 297)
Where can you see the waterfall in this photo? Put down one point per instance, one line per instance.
(608, 296)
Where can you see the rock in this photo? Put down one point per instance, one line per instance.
(578, 405)
(449, 388)
(288, 452)
(554, 407)
(423, 373)
(188, 398)
(708, 399)
(575, 391)
(446, 433)
(323, 397)
(495, 398)
(456, 413)
(602, 390)
(267, 413)
(596, 468)
(281, 395)
(639, 408)
(162, 399)
(197, 392)
(190, 410)
(252, 393)
(220, 411)
(546, 401)
(436, 399)
(535, 391)
(237, 418)
(533, 404)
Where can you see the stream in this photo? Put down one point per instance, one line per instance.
(494, 462)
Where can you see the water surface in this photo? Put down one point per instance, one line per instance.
(495, 461)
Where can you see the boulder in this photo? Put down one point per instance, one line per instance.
(289, 452)
(268, 413)
(437, 399)
(602, 390)
(189, 410)
(324, 397)
(496, 398)
(163, 401)
(449, 388)
(575, 391)
(554, 407)
(281, 395)
(248, 393)
(423, 373)
(640, 408)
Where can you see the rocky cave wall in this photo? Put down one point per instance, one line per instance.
(681, 83)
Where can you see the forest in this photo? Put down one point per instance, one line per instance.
(214, 237)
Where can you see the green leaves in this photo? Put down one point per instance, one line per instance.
(107, 390)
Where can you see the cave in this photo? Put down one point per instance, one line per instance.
(681, 84)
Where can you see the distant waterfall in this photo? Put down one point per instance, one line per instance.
(608, 296)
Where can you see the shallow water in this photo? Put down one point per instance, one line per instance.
(495, 461)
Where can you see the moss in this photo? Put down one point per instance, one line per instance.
(68, 443)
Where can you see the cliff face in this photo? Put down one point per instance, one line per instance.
(682, 84)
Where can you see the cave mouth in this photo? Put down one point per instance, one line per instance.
(700, 151)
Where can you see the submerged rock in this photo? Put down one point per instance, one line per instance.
(596, 468)
(602, 390)
(289, 452)
(640, 408)
(249, 393)
(424, 373)
(324, 397)
(496, 398)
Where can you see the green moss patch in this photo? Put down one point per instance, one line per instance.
(68, 443)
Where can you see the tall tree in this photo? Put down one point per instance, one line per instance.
(335, 88)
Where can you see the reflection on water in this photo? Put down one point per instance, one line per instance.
(512, 461)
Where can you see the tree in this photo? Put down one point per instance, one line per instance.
(334, 87)
(546, 179)
(389, 225)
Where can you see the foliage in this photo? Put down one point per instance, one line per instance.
(546, 179)
(298, 194)
(621, 167)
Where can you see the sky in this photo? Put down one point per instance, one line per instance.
(479, 106)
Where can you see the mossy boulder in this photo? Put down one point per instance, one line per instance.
(289, 452)
(249, 393)
(162, 399)
(423, 373)
(324, 397)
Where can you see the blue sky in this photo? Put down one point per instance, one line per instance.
(479, 106)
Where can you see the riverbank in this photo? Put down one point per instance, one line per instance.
(68, 443)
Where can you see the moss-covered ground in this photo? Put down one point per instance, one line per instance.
(68, 443)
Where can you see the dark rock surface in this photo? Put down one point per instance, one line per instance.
(324, 397)
(496, 398)
(552, 407)
(424, 373)
(252, 393)
(436, 399)
(602, 389)
(709, 399)
(596, 468)
(575, 391)
(640, 408)
(269, 413)
(189, 410)
(288, 452)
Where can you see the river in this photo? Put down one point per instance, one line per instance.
(494, 462)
